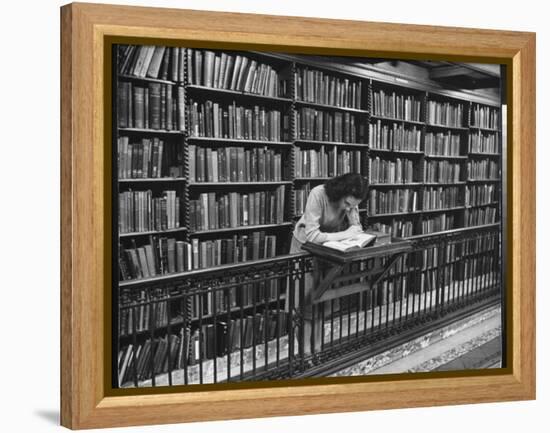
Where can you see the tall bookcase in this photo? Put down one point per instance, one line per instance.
(455, 166)
(216, 153)
(339, 144)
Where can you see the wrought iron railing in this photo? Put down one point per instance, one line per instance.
(230, 323)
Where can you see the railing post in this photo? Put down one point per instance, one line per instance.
(439, 288)
(293, 272)
(300, 310)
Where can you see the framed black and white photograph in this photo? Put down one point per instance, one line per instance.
(313, 223)
(283, 216)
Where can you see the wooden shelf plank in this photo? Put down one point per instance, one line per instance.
(147, 79)
(236, 93)
(394, 119)
(152, 179)
(153, 232)
(200, 184)
(151, 131)
(299, 141)
(240, 228)
(239, 141)
(402, 152)
(330, 107)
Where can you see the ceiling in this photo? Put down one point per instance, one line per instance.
(471, 76)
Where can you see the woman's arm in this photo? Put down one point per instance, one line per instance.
(349, 233)
(353, 217)
(312, 217)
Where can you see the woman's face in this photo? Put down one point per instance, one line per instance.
(348, 202)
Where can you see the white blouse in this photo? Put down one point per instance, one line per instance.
(321, 217)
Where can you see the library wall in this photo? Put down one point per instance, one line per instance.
(217, 153)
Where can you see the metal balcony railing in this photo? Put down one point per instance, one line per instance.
(229, 323)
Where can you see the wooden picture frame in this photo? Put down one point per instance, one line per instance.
(87, 400)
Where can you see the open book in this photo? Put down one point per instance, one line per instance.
(360, 241)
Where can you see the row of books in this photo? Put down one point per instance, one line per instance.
(158, 106)
(484, 117)
(167, 255)
(456, 251)
(480, 216)
(442, 172)
(148, 61)
(148, 358)
(384, 171)
(230, 210)
(212, 119)
(319, 125)
(478, 245)
(191, 346)
(321, 88)
(405, 200)
(440, 198)
(301, 193)
(445, 113)
(450, 252)
(148, 310)
(223, 302)
(404, 107)
(445, 221)
(439, 223)
(442, 143)
(327, 163)
(484, 169)
(221, 70)
(148, 158)
(481, 271)
(483, 143)
(401, 264)
(392, 201)
(429, 257)
(390, 290)
(394, 137)
(235, 249)
(234, 164)
(461, 252)
(159, 256)
(238, 333)
(397, 228)
(139, 211)
(476, 195)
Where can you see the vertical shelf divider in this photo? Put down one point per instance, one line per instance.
(186, 216)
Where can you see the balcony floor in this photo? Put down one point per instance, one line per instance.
(470, 343)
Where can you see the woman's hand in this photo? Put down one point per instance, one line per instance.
(352, 231)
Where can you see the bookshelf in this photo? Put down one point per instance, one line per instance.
(457, 151)
(216, 152)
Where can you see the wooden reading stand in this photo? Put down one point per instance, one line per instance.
(329, 263)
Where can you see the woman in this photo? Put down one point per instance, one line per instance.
(331, 214)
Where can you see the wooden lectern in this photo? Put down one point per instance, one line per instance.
(330, 271)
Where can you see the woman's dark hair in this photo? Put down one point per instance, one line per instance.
(347, 184)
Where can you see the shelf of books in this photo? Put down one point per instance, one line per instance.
(330, 127)
(434, 162)
(188, 121)
(217, 152)
(151, 185)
